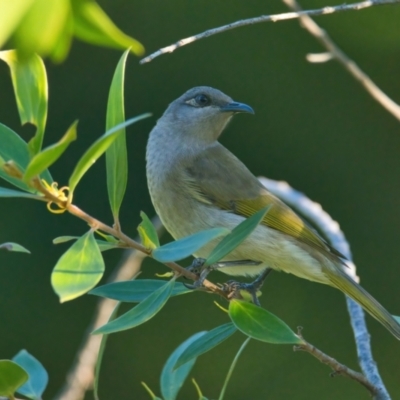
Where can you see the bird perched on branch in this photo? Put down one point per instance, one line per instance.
(196, 183)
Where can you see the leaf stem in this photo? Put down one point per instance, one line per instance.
(231, 368)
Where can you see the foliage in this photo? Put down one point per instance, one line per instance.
(47, 28)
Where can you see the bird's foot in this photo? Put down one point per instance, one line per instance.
(197, 267)
(239, 290)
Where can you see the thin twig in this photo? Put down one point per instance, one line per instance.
(336, 53)
(331, 230)
(337, 367)
(95, 224)
(266, 18)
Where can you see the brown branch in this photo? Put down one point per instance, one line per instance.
(336, 53)
(94, 223)
(337, 367)
(266, 18)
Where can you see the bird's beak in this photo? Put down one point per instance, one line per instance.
(237, 108)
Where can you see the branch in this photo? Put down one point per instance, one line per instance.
(53, 195)
(331, 230)
(96, 224)
(337, 367)
(334, 52)
(267, 18)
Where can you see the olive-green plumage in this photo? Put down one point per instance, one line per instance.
(196, 183)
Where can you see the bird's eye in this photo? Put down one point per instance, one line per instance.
(202, 100)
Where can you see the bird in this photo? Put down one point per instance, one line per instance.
(195, 183)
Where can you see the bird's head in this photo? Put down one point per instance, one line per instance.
(202, 113)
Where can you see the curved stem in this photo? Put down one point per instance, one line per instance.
(231, 368)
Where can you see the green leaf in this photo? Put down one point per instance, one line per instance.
(30, 86)
(206, 342)
(138, 315)
(12, 376)
(97, 149)
(63, 239)
(137, 290)
(103, 245)
(92, 25)
(116, 154)
(396, 318)
(51, 154)
(79, 269)
(257, 323)
(41, 27)
(172, 379)
(4, 192)
(10, 246)
(187, 246)
(12, 147)
(238, 234)
(148, 233)
(100, 354)
(61, 47)
(38, 377)
(11, 14)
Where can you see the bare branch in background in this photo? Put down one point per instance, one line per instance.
(81, 376)
(336, 53)
(331, 230)
(267, 18)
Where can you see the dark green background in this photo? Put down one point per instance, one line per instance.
(314, 127)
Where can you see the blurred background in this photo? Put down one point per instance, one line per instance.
(315, 127)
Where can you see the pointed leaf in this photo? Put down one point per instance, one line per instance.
(12, 376)
(12, 147)
(41, 161)
(140, 314)
(11, 14)
(97, 149)
(38, 377)
(206, 342)
(137, 290)
(148, 233)
(4, 192)
(79, 269)
(30, 86)
(103, 245)
(260, 324)
(187, 246)
(100, 354)
(10, 246)
(172, 379)
(63, 239)
(92, 25)
(116, 154)
(61, 47)
(238, 234)
(41, 27)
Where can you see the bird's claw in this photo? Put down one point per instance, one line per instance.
(238, 290)
(197, 267)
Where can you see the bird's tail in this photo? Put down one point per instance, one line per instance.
(345, 283)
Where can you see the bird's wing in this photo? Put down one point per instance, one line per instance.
(217, 177)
